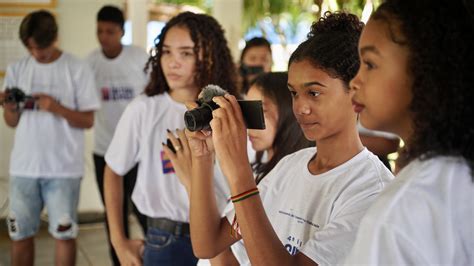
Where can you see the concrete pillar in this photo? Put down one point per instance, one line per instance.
(138, 16)
(229, 14)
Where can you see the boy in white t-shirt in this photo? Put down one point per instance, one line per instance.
(311, 203)
(120, 77)
(47, 160)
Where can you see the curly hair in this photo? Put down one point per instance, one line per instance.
(441, 63)
(289, 137)
(332, 45)
(214, 64)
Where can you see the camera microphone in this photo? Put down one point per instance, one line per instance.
(209, 92)
(199, 117)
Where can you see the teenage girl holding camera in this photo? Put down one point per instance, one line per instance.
(190, 53)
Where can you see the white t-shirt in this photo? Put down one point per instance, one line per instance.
(425, 217)
(118, 81)
(318, 214)
(45, 144)
(374, 133)
(138, 139)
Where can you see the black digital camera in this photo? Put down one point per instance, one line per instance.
(199, 117)
(17, 96)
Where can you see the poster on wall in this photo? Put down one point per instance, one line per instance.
(11, 47)
(28, 3)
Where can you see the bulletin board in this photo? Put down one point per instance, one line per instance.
(28, 3)
(11, 47)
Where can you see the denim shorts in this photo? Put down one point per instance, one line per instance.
(164, 248)
(28, 196)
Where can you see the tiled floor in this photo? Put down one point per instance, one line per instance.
(92, 246)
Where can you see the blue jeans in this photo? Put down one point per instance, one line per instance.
(28, 196)
(164, 248)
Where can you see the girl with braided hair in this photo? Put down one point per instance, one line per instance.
(416, 80)
(190, 52)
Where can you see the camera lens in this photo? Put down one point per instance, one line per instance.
(190, 121)
(199, 118)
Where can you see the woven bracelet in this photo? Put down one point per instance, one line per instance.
(244, 195)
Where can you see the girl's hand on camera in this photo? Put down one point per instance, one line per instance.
(230, 137)
(200, 143)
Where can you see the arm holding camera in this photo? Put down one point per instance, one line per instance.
(10, 111)
(209, 232)
(178, 150)
(79, 119)
(229, 138)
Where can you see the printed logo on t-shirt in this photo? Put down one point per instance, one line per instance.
(166, 162)
(293, 246)
(294, 243)
(117, 93)
(298, 219)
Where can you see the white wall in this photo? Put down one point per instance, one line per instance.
(76, 20)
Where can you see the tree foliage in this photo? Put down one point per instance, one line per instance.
(291, 12)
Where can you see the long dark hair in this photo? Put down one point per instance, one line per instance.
(289, 136)
(214, 64)
(441, 62)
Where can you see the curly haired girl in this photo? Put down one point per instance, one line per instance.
(416, 80)
(190, 52)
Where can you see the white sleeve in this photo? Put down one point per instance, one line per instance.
(143, 59)
(87, 98)
(385, 246)
(375, 133)
(221, 189)
(229, 212)
(9, 80)
(332, 243)
(123, 150)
